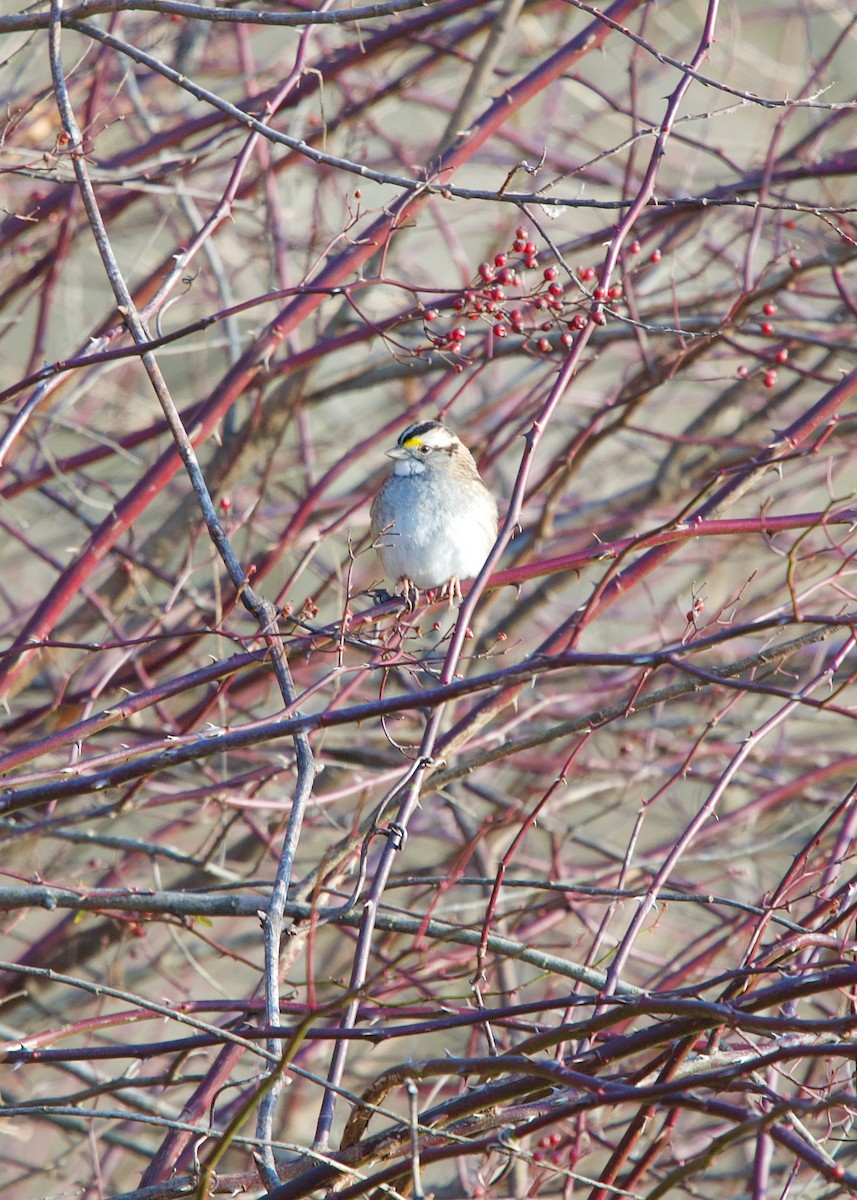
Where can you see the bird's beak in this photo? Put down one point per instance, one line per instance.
(396, 452)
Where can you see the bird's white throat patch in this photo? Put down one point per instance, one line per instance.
(409, 466)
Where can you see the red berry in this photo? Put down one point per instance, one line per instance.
(500, 260)
(655, 256)
(567, 339)
(769, 309)
(531, 261)
(225, 503)
(518, 245)
(782, 355)
(555, 289)
(506, 276)
(599, 293)
(431, 314)
(550, 273)
(544, 345)
(486, 271)
(458, 304)
(546, 327)
(767, 328)
(522, 234)
(577, 322)
(635, 248)
(530, 248)
(795, 263)
(458, 334)
(743, 372)
(615, 292)
(586, 274)
(500, 331)
(769, 379)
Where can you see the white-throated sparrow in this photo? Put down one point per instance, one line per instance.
(434, 520)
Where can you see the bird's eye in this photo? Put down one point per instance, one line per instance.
(425, 449)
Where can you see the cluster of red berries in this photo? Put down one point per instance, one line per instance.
(534, 313)
(541, 308)
(549, 1149)
(781, 356)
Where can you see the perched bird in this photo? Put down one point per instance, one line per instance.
(434, 520)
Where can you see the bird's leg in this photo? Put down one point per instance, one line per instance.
(452, 590)
(411, 592)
